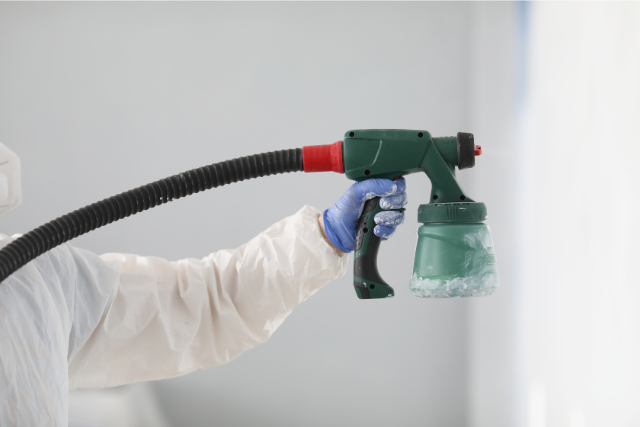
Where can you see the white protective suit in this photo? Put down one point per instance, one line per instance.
(73, 319)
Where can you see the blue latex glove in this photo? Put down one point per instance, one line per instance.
(340, 220)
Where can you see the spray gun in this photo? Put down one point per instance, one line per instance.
(454, 255)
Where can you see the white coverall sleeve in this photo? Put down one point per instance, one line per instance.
(171, 318)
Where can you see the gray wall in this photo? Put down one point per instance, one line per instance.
(496, 107)
(99, 98)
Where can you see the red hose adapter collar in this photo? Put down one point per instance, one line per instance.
(323, 158)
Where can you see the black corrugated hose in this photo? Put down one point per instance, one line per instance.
(36, 242)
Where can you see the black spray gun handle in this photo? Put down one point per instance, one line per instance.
(366, 278)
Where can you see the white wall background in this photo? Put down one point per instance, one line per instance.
(560, 344)
(99, 98)
(580, 295)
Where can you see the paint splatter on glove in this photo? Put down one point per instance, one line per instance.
(340, 221)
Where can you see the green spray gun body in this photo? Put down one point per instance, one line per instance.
(454, 256)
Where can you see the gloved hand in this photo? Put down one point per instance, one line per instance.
(340, 221)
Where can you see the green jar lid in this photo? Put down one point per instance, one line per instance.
(452, 212)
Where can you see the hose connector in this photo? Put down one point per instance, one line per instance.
(323, 158)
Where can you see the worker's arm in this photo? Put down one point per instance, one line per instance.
(99, 322)
(171, 318)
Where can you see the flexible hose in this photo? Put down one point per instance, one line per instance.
(38, 241)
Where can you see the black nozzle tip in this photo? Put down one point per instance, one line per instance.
(466, 151)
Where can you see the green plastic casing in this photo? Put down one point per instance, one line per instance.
(454, 247)
(454, 260)
(392, 153)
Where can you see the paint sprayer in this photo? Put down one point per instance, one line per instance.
(454, 255)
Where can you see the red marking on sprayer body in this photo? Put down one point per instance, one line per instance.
(478, 150)
(323, 158)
